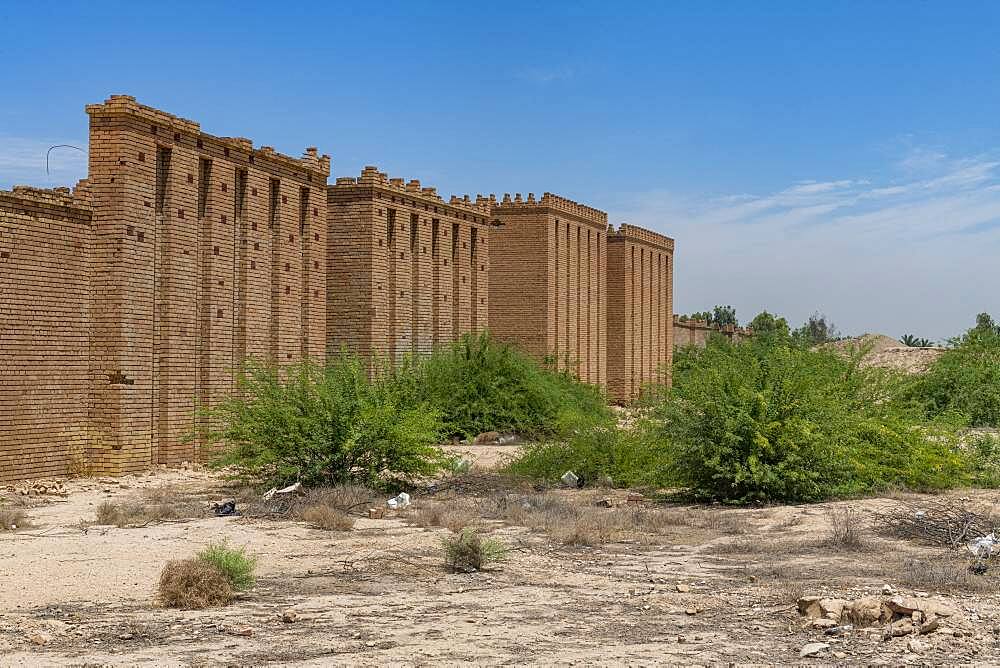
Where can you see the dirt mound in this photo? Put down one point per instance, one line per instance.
(886, 352)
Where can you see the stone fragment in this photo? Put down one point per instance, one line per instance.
(39, 638)
(917, 646)
(865, 611)
(289, 616)
(831, 608)
(813, 648)
(809, 606)
(683, 588)
(822, 623)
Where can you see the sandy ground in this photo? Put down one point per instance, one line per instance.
(716, 586)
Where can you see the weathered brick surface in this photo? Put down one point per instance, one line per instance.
(407, 270)
(640, 315)
(547, 291)
(45, 244)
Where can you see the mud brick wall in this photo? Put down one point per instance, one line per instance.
(640, 318)
(45, 245)
(407, 271)
(207, 251)
(547, 290)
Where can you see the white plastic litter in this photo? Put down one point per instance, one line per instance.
(984, 546)
(401, 501)
(570, 479)
(291, 489)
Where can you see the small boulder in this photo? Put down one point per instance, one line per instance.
(289, 616)
(822, 623)
(39, 638)
(809, 606)
(865, 611)
(917, 646)
(683, 588)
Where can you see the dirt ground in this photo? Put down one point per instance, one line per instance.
(637, 584)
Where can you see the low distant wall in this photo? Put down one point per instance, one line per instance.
(697, 332)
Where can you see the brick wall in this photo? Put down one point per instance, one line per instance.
(207, 252)
(697, 332)
(45, 245)
(640, 317)
(407, 270)
(547, 293)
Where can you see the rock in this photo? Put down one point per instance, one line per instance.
(691, 611)
(917, 646)
(907, 605)
(887, 590)
(635, 498)
(39, 638)
(487, 438)
(832, 608)
(865, 611)
(570, 479)
(813, 648)
(839, 655)
(289, 616)
(683, 588)
(903, 627)
(376, 513)
(809, 606)
(605, 503)
(930, 625)
(822, 623)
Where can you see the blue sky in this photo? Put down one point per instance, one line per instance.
(840, 156)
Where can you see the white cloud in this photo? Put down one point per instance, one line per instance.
(544, 75)
(22, 161)
(915, 255)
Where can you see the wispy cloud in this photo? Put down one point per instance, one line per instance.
(22, 161)
(545, 75)
(897, 254)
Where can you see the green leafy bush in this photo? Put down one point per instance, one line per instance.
(630, 458)
(234, 563)
(965, 380)
(326, 425)
(766, 421)
(481, 385)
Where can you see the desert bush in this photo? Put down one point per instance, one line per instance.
(467, 551)
(448, 515)
(983, 452)
(194, 584)
(479, 385)
(845, 529)
(965, 380)
(596, 453)
(234, 563)
(766, 421)
(12, 519)
(326, 518)
(156, 505)
(341, 423)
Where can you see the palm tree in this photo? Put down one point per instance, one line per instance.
(914, 342)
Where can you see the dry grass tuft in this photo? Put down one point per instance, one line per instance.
(846, 531)
(944, 573)
(12, 519)
(451, 516)
(194, 584)
(326, 518)
(156, 505)
(467, 552)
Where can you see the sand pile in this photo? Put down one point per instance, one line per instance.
(889, 353)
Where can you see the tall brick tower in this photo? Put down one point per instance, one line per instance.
(640, 310)
(547, 290)
(407, 270)
(206, 251)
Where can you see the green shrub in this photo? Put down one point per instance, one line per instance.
(984, 459)
(965, 380)
(767, 421)
(326, 425)
(629, 458)
(481, 385)
(234, 563)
